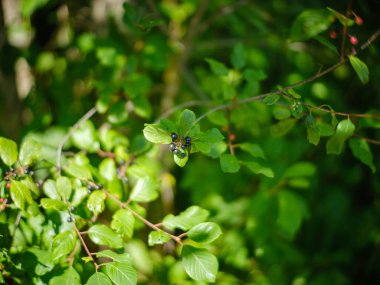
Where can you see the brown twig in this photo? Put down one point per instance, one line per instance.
(85, 247)
(145, 221)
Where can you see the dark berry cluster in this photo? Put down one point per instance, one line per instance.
(177, 143)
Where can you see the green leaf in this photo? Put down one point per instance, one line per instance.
(360, 68)
(229, 163)
(361, 150)
(211, 136)
(292, 211)
(50, 189)
(342, 18)
(181, 161)
(217, 67)
(313, 133)
(253, 149)
(8, 151)
(77, 170)
(187, 219)
(85, 137)
(70, 277)
(20, 194)
(199, 263)
(31, 185)
(204, 232)
(123, 222)
(63, 244)
(238, 56)
(310, 23)
(282, 128)
(103, 235)
(254, 75)
(271, 99)
(121, 273)
(107, 169)
(53, 204)
(29, 152)
(145, 190)
(344, 130)
(154, 134)
(300, 169)
(158, 237)
(99, 278)
(95, 202)
(259, 169)
(186, 121)
(119, 257)
(64, 187)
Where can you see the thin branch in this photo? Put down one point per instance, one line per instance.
(86, 116)
(85, 247)
(145, 221)
(181, 106)
(372, 141)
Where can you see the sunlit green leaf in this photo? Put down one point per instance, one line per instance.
(158, 237)
(95, 202)
(63, 244)
(107, 169)
(257, 168)
(344, 130)
(186, 120)
(145, 190)
(204, 232)
(121, 273)
(29, 152)
(99, 278)
(69, 276)
(123, 222)
(199, 263)
(103, 235)
(20, 194)
(217, 67)
(8, 151)
(119, 257)
(253, 149)
(187, 219)
(64, 187)
(53, 204)
(155, 134)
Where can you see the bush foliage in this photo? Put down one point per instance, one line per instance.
(189, 142)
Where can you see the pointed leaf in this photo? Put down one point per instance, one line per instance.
(360, 68)
(63, 244)
(179, 160)
(121, 273)
(103, 235)
(361, 150)
(99, 278)
(186, 120)
(217, 67)
(107, 169)
(64, 187)
(199, 263)
(8, 151)
(155, 134)
(204, 232)
(53, 204)
(95, 202)
(123, 222)
(259, 169)
(313, 133)
(344, 130)
(158, 237)
(29, 152)
(229, 163)
(253, 149)
(145, 190)
(271, 99)
(187, 219)
(20, 194)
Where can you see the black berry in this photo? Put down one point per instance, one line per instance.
(172, 147)
(174, 136)
(69, 219)
(26, 171)
(183, 146)
(183, 155)
(11, 169)
(188, 139)
(187, 144)
(176, 151)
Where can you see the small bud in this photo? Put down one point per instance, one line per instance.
(358, 20)
(231, 137)
(333, 34)
(354, 40)
(8, 185)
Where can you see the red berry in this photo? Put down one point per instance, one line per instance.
(353, 40)
(231, 137)
(358, 20)
(1, 200)
(333, 34)
(8, 185)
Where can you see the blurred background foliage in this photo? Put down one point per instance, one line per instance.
(316, 222)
